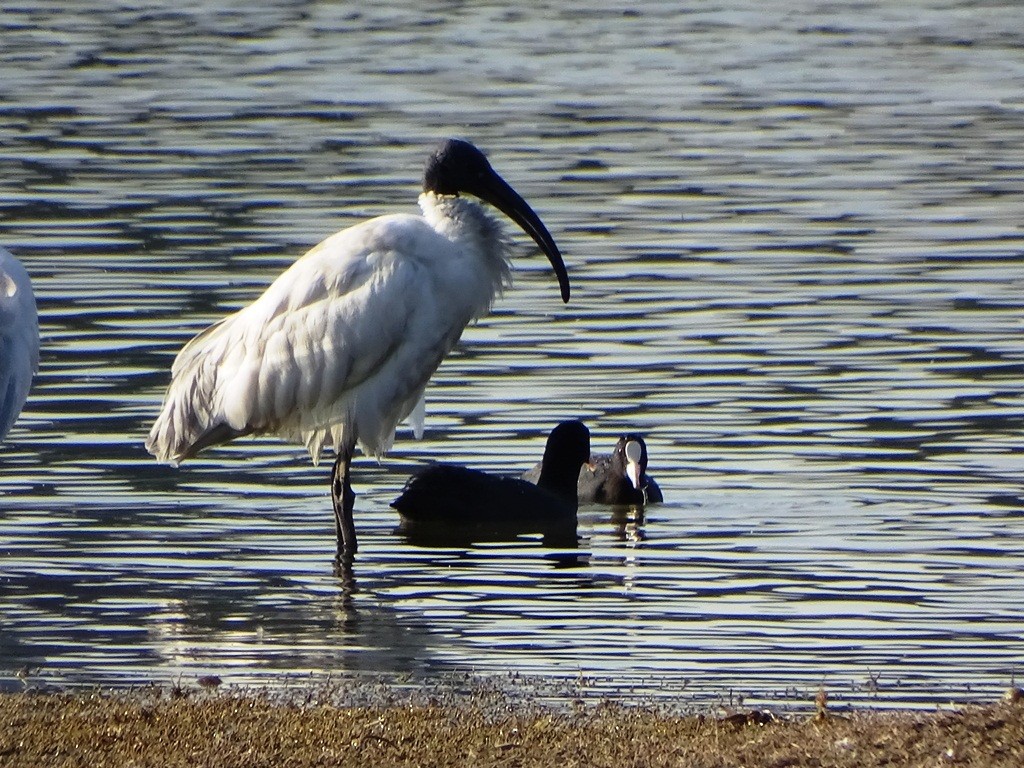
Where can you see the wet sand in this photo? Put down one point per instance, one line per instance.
(194, 727)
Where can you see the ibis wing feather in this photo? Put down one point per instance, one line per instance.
(293, 361)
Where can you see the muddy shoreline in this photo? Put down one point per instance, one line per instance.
(176, 726)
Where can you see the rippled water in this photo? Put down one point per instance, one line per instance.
(795, 243)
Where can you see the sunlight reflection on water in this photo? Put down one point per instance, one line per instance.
(794, 242)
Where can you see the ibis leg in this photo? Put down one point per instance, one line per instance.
(344, 500)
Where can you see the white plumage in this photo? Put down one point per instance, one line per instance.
(19, 339)
(339, 349)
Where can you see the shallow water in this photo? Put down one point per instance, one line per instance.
(794, 239)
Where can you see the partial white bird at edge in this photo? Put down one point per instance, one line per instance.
(19, 339)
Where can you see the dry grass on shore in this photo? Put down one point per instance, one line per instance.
(168, 729)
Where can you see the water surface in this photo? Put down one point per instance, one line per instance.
(794, 239)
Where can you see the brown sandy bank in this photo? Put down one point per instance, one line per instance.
(170, 728)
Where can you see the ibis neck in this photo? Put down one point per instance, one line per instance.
(463, 220)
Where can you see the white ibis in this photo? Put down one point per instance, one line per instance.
(620, 478)
(19, 339)
(339, 349)
(458, 499)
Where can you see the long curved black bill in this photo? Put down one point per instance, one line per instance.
(496, 191)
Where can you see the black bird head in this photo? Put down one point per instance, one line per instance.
(457, 166)
(630, 458)
(567, 449)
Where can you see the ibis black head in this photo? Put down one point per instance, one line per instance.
(457, 166)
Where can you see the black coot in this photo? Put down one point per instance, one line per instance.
(620, 478)
(445, 496)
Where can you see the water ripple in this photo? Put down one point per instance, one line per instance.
(794, 241)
